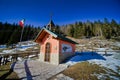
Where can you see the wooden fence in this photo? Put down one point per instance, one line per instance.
(5, 57)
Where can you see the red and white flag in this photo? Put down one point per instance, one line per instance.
(21, 23)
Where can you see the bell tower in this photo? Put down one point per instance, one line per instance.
(51, 25)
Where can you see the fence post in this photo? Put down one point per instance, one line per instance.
(0, 60)
(16, 57)
(105, 52)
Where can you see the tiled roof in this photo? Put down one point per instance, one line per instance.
(56, 35)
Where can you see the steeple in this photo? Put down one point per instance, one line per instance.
(51, 25)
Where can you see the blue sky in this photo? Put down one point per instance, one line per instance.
(37, 12)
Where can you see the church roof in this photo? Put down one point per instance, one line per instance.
(55, 35)
(51, 23)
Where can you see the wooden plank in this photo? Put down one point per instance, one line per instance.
(26, 52)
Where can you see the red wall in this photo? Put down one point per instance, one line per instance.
(54, 44)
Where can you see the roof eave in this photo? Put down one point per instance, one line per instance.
(38, 34)
(54, 35)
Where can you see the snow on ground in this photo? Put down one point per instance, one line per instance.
(111, 62)
(100, 58)
(117, 44)
(2, 46)
(14, 50)
(8, 51)
(22, 46)
(108, 61)
(85, 56)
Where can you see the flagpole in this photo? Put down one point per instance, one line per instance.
(20, 40)
(22, 33)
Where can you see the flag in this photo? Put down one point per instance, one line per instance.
(21, 23)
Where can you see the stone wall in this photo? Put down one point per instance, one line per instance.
(54, 58)
(41, 57)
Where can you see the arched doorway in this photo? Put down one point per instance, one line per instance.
(47, 52)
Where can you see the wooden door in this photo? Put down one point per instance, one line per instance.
(47, 52)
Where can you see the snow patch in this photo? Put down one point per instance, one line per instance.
(99, 58)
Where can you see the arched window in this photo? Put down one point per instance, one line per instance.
(47, 52)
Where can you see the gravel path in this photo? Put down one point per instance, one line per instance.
(36, 70)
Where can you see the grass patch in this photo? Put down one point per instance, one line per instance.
(5, 73)
(84, 71)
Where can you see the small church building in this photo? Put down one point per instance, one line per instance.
(54, 48)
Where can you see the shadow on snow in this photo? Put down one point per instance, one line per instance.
(84, 56)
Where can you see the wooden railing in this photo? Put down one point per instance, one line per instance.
(5, 57)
